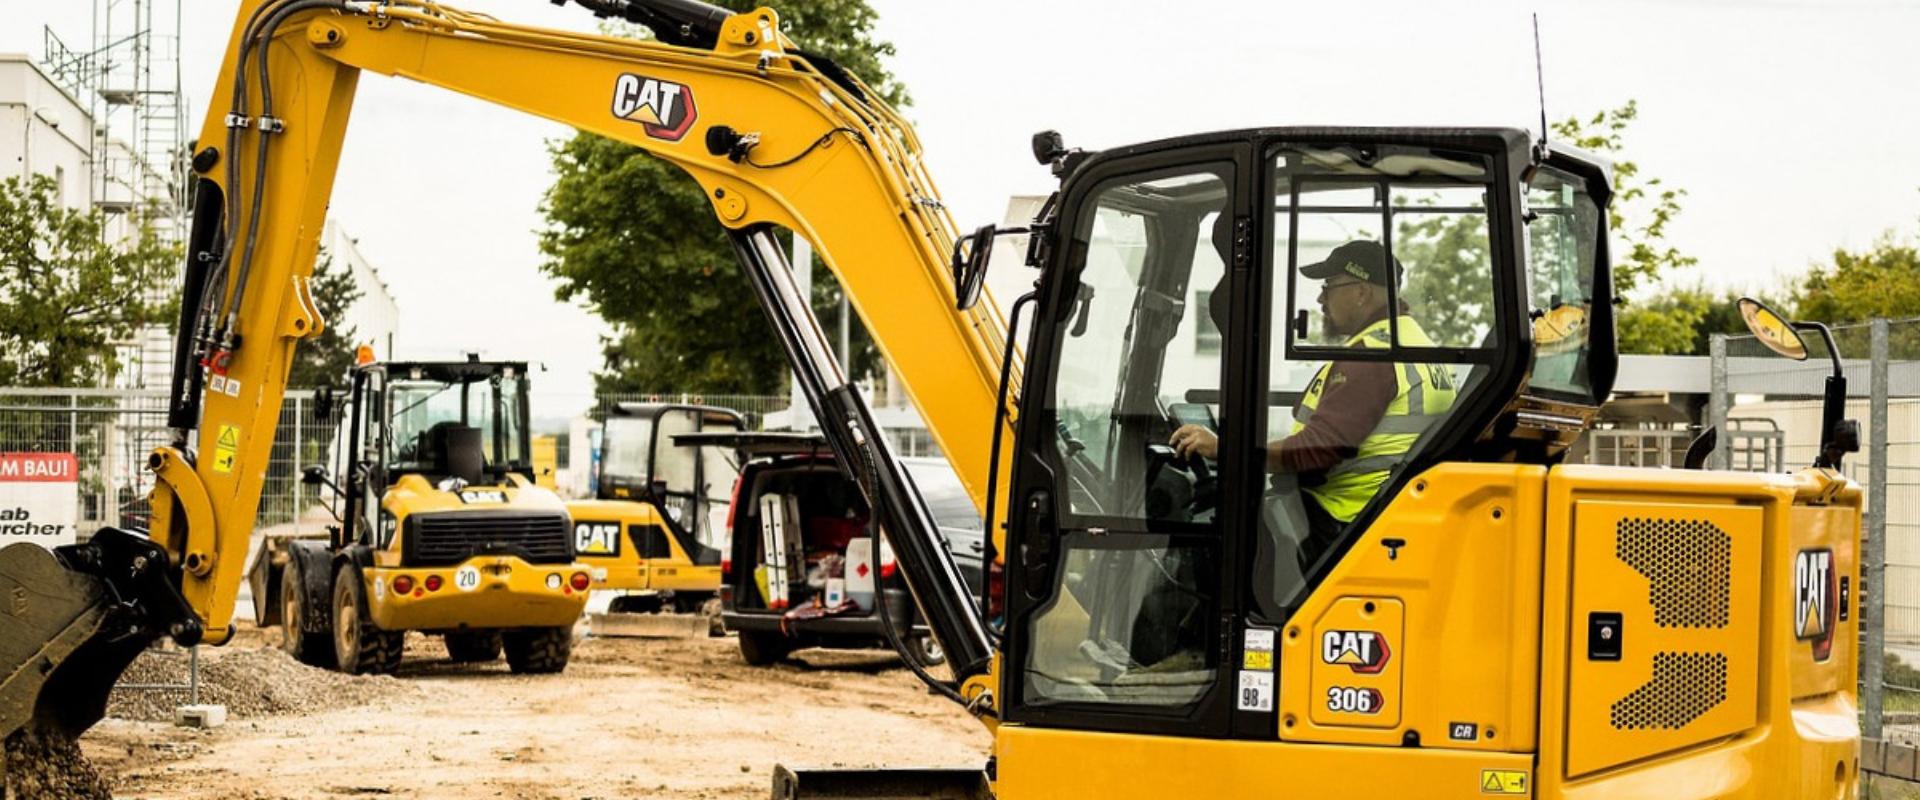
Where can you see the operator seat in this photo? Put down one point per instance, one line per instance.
(456, 451)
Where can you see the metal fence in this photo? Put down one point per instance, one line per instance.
(111, 432)
(1881, 361)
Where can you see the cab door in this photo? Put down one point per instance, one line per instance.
(1119, 615)
(1311, 317)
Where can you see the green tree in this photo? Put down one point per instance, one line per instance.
(325, 359)
(1642, 206)
(1880, 281)
(1447, 255)
(635, 238)
(70, 297)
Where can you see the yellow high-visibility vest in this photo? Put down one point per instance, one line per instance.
(1425, 395)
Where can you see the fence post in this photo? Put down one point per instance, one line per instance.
(1873, 606)
(299, 442)
(1717, 404)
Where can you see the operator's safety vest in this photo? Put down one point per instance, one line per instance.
(1425, 394)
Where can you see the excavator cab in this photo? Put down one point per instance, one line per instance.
(655, 531)
(1230, 289)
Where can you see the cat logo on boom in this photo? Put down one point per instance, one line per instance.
(1813, 600)
(1364, 652)
(664, 109)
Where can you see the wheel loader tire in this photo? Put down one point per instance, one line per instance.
(311, 649)
(472, 647)
(761, 648)
(538, 651)
(924, 650)
(360, 647)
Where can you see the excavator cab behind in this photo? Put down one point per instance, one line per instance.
(655, 531)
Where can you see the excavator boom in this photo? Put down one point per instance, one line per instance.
(775, 138)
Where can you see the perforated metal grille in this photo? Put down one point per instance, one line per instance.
(1688, 566)
(1684, 686)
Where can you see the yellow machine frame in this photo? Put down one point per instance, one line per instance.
(1489, 605)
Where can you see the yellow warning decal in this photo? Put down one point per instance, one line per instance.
(1253, 659)
(1503, 781)
(226, 448)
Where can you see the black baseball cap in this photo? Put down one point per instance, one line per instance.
(1361, 259)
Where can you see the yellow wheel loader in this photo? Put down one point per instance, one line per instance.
(1277, 481)
(441, 530)
(656, 531)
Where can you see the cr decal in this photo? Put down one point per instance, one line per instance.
(1364, 652)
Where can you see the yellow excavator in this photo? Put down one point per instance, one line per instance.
(1200, 600)
(654, 532)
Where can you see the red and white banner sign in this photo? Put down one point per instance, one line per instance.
(39, 498)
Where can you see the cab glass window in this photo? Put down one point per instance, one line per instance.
(623, 452)
(1377, 250)
(1130, 611)
(1562, 253)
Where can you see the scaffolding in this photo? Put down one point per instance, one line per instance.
(128, 78)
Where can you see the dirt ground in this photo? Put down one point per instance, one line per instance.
(628, 718)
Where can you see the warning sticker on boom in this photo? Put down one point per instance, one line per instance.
(1503, 781)
(226, 448)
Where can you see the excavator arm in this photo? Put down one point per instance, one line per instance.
(775, 138)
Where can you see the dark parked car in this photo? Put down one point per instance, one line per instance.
(791, 494)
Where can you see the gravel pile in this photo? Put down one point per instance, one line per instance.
(48, 768)
(250, 683)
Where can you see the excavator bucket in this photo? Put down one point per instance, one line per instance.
(71, 620)
(796, 783)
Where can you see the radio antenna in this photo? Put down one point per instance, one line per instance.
(1540, 83)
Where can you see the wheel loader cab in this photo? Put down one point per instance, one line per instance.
(442, 528)
(1332, 311)
(465, 421)
(656, 532)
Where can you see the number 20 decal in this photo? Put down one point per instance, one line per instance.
(1349, 700)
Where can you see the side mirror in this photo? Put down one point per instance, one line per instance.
(1838, 436)
(315, 475)
(970, 255)
(323, 403)
(1772, 330)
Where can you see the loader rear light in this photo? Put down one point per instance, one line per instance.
(433, 583)
(579, 581)
(403, 584)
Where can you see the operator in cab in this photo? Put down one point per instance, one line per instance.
(1357, 420)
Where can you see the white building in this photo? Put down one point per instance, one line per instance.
(44, 130)
(374, 318)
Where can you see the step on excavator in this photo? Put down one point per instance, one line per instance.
(1278, 480)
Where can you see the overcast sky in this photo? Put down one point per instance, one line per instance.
(1792, 125)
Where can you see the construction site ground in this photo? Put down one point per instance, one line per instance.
(629, 718)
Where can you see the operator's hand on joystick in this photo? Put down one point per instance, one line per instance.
(1191, 440)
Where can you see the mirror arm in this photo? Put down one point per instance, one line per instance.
(1836, 435)
(1826, 335)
